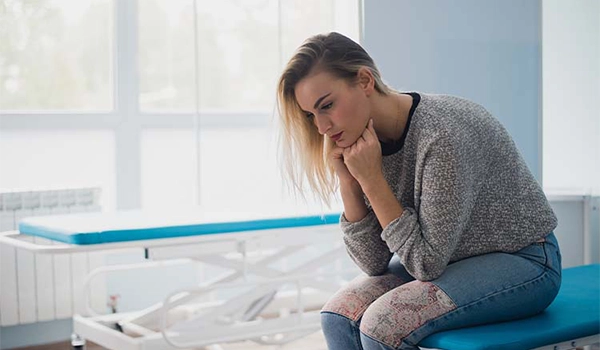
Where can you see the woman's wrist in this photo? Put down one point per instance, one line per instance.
(355, 208)
(350, 186)
(373, 185)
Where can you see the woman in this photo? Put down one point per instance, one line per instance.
(440, 210)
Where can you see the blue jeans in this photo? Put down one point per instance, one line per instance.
(395, 311)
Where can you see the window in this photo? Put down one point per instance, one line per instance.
(135, 79)
(238, 55)
(42, 160)
(56, 55)
(242, 47)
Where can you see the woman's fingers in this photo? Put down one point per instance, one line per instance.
(336, 152)
(369, 134)
(363, 158)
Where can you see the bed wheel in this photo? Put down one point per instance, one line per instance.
(77, 343)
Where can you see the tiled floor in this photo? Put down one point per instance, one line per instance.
(314, 341)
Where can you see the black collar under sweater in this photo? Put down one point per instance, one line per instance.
(390, 148)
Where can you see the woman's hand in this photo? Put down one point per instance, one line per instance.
(340, 168)
(363, 158)
(355, 208)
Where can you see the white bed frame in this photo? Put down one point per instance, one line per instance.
(271, 306)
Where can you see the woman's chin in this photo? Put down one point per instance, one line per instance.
(341, 143)
(344, 143)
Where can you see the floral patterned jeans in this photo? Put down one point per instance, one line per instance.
(395, 311)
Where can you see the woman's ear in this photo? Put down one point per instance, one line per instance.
(366, 81)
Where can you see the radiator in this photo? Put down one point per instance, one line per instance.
(41, 287)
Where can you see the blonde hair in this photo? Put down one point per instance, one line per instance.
(304, 150)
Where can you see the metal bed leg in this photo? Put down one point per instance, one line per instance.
(77, 343)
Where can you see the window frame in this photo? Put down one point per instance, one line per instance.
(126, 119)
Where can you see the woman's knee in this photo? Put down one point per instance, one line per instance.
(352, 300)
(395, 316)
(332, 323)
(340, 332)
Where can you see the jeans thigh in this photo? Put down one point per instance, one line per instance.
(502, 286)
(353, 299)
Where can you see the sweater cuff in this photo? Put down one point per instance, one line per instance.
(367, 224)
(398, 231)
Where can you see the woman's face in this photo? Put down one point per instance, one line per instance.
(338, 109)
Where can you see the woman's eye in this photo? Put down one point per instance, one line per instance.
(327, 106)
(309, 115)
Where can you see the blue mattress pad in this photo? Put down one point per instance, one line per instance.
(122, 226)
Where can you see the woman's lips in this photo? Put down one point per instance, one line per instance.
(336, 136)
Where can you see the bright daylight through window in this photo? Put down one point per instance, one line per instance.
(158, 118)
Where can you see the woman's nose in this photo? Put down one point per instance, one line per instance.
(323, 124)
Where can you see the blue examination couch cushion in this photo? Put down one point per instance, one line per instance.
(575, 313)
(98, 228)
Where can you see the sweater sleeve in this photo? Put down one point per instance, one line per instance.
(364, 244)
(425, 238)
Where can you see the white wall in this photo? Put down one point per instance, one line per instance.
(578, 230)
(571, 95)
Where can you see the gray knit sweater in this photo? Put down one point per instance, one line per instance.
(465, 190)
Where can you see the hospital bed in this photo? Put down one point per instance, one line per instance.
(257, 298)
(253, 313)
